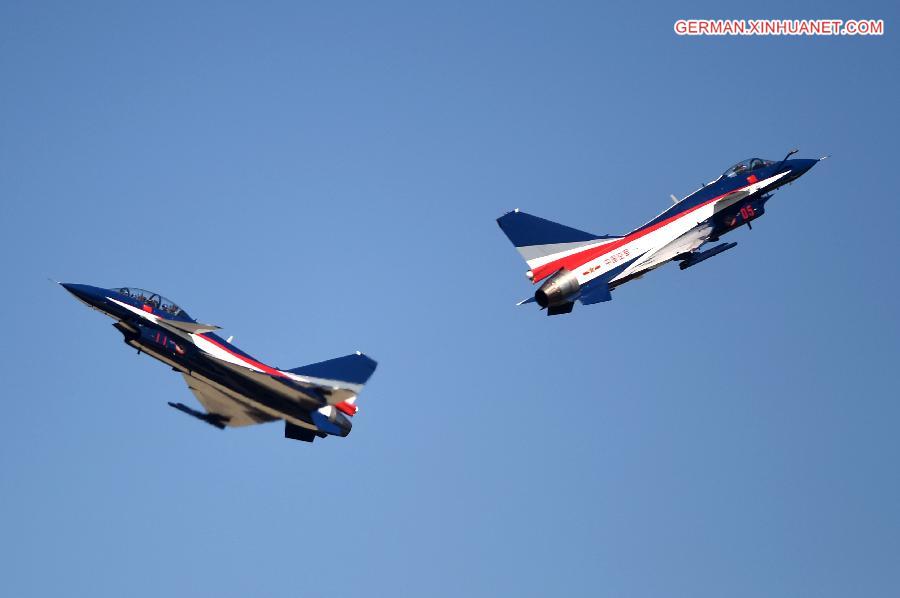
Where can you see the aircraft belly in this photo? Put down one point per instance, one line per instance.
(281, 409)
(256, 403)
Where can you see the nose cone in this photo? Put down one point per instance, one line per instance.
(93, 296)
(800, 166)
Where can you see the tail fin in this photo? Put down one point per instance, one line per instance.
(536, 238)
(343, 376)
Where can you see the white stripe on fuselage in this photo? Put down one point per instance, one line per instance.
(645, 247)
(214, 350)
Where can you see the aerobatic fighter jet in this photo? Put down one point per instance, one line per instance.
(574, 265)
(234, 388)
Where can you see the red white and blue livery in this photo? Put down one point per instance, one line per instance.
(573, 265)
(234, 388)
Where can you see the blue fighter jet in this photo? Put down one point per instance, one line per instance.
(575, 265)
(234, 388)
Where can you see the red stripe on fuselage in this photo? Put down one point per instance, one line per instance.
(252, 362)
(576, 260)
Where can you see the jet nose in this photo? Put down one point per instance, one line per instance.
(90, 295)
(800, 166)
(79, 290)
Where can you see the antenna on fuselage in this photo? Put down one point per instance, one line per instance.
(674, 199)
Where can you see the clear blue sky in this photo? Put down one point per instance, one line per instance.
(318, 180)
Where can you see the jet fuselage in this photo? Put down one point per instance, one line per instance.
(574, 265)
(220, 373)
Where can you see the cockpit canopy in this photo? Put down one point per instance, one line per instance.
(153, 299)
(747, 165)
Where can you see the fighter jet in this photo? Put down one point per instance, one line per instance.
(234, 388)
(576, 265)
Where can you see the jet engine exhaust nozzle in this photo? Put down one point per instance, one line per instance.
(559, 289)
